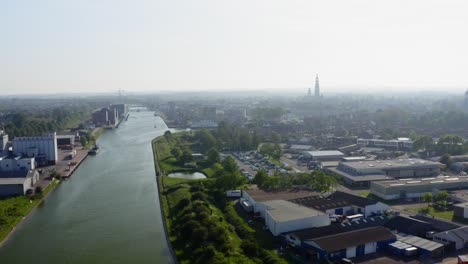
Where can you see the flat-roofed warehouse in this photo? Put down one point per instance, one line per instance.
(254, 198)
(325, 155)
(361, 173)
(415, 187)
(283, 216)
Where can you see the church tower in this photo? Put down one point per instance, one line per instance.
(317, 86)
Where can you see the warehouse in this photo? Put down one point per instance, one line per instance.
(325, 155)
(415, 188)
(393, 144)
(253, 198)
(342, 203)
(456, 238)
(351, 244)
(283, 216)
(396, 168)
(362, 173)
(425, 247)
(460, 210)
(14, 183)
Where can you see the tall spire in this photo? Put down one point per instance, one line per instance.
(309, 92)
(317, 86)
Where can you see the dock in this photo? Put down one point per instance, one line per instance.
(67, 167)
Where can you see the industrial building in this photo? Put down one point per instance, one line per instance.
(325, 155)
(424, 247)
(455, 238)
(43, 148)
(350, 244)
(393, 144)
(254, 198)
(415, 187)
(63, 140)
(14, 183)
(121, 109)
(361, 173)
(460, 210)
(18, 163)
(283, 216)
(342, 203)
(106, 117)
(3, 142)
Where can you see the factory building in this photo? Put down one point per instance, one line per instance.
(325, 155)
(3, 142)
(460, 210)
(14, 183)
(392, 144)
(254, 198)
(43, 148)
(106, 117)
(283, 216)
(342, 203)
(17, 163)
(455, 238)
(349, 244)
(121, 109)
(361, 173)
(415, 187)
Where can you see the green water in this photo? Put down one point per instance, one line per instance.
(107, 212)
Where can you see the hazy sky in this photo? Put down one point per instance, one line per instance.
(136, 45)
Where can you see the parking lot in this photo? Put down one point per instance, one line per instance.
(251, 162)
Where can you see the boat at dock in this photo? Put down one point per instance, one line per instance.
(94, 150)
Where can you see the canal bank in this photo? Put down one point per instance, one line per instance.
(108, 212)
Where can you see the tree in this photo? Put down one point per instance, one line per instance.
(260, 178)
(323, 182)
(176, 152)
(424, 142)
(213, 156)
(441, 197)
(229, 181)
(167, 135)
(230, 165)
(206, 140)
(427, 197)
(186, 157)
(447, 160)
(451, 144)
(83, 141)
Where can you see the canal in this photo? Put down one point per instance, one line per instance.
(107, 212)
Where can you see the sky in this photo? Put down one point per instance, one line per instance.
(63, 46)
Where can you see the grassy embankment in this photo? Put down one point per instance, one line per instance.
(12, 210)
(93, 137)
(203, 226)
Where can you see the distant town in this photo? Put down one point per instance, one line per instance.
(316, 179)
(251, 178)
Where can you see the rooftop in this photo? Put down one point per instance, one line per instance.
(353, 238)
(338, 228)
(336, 200)
(283, 211)
(463, 205)
(422, 181)
(419, 242)
(261, 196)
(391, 164)
(370, 177)
(324, 153)
(9, 181)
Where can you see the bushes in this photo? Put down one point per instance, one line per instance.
(242, 230)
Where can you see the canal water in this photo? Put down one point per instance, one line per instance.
(107, 212)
